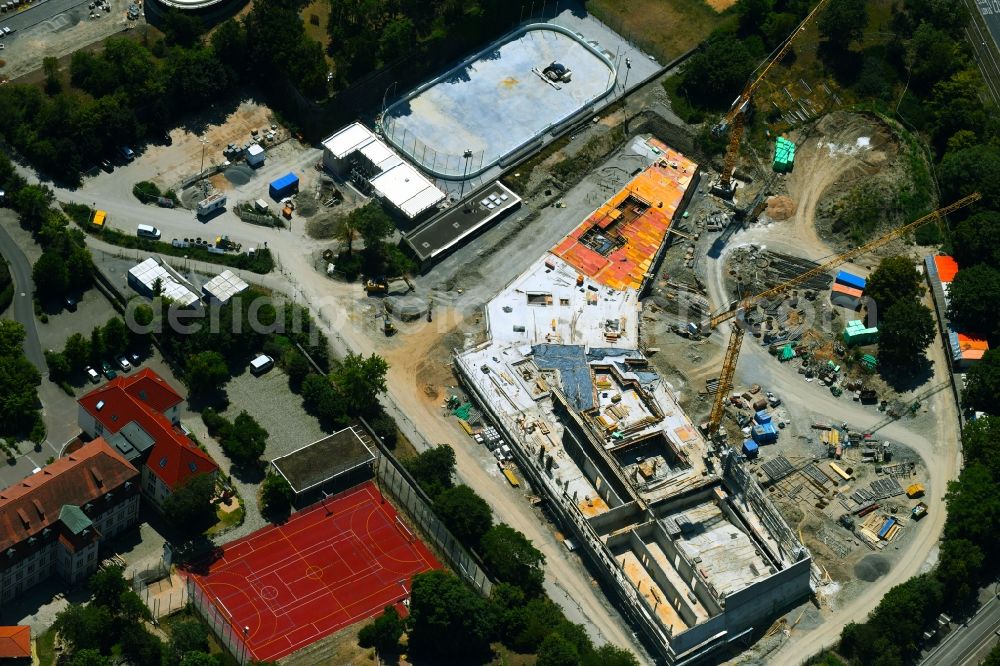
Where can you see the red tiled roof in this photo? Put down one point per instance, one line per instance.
(142, 398)
(15, 642)
(32, 504)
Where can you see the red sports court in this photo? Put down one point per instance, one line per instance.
(339, 561)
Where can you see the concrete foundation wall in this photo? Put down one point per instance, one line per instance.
(617, 518)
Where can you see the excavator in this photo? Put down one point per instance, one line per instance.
(738, 308)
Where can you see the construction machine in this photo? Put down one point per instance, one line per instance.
(739, 308)
(377, 286)
(735, 119)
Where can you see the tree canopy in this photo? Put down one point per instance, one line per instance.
(982, 388)
(974, 304)
(245, 440)
(276, 496)
(894, 279)
(383, 633)
(433, 469)
(465, 513)
(189, 508)
(206, 372)
(448, 619)
(513, 559)
(360, 381)
(905, 332)
(842, 22)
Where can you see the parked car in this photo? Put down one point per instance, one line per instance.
(124, 364)
(106, 165)
(70, 303)
(92, 375)
(108, 371)
(135, 358)
(126, 153)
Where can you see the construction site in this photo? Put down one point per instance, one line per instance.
(686, 537)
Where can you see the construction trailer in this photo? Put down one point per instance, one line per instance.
(845, 297)
(283, 187)
(211, 204)
(856, 333)
(851, 280)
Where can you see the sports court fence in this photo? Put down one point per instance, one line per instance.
(220, 622)
(393, 479)
(162, 592)
(444, 165)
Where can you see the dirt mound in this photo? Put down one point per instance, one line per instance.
(780, 208)
(871, 568)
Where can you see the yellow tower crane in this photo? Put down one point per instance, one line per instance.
(736, 336)
(735, 120)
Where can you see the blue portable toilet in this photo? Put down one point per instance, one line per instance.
(750, 448)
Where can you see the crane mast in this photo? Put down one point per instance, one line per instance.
(735, 120)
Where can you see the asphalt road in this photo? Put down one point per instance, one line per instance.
(968, 645)
(35, 14)
(982, 33)
(24, 309)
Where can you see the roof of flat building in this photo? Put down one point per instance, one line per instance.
(314, 464)
(617, 244)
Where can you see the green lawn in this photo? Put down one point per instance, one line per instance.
(663, 28)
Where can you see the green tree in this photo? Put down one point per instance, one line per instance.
(974, 304)
(904, 333)
(50, 275)
(433, 469)
(32, 202)
(973, 508)
(512, 558)
(189, 508)
(116, 337)
(206, 372)
(975, 169)
(934, 56)
(385, 429)
(960, 567)
(752, 14)
(981, 443)
(982, 388)
(360, 381)
(85, 627)
(447, 618)
(842, 22)
(347, 232)
(245, 441)
(107, 586)
(993, 658)
(611, 655)
(714, 75)
(77, 352)
(465, 513)
(187, 636)
(276, 495)
(895, 279)
(182, 28)
(57, 364)
(199, 659)
(89, 657)
(977, 239)
(96, 345)
(557, 651)
(372, 223)
(397, 39)
(383, 633)
(296, 367)
(50, 65)
(18, 382)
(140, 646)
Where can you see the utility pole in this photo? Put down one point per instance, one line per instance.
(467, 155)
(628, 68)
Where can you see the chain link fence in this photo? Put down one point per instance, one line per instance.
(220, 621)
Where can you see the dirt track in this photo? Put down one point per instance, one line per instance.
(819, 166)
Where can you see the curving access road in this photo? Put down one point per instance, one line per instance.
(24, 307)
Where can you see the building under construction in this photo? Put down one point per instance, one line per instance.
(682, 534)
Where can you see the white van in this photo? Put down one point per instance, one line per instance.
(146, 231)
(261, 364)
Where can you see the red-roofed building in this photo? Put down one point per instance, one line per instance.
(139, 415)
(15, 644)
(53, 521)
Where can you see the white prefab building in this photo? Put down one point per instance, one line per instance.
(255, 155)
(223, 287)
(212, 203)
(142, 277)
(356, 153)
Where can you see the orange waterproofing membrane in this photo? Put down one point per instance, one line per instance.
(946, 268)
(972, 347)
(636, 220)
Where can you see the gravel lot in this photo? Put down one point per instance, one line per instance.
(275, 407)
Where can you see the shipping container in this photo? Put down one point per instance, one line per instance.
(851, 280)
(750, 448)
(284, 186)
